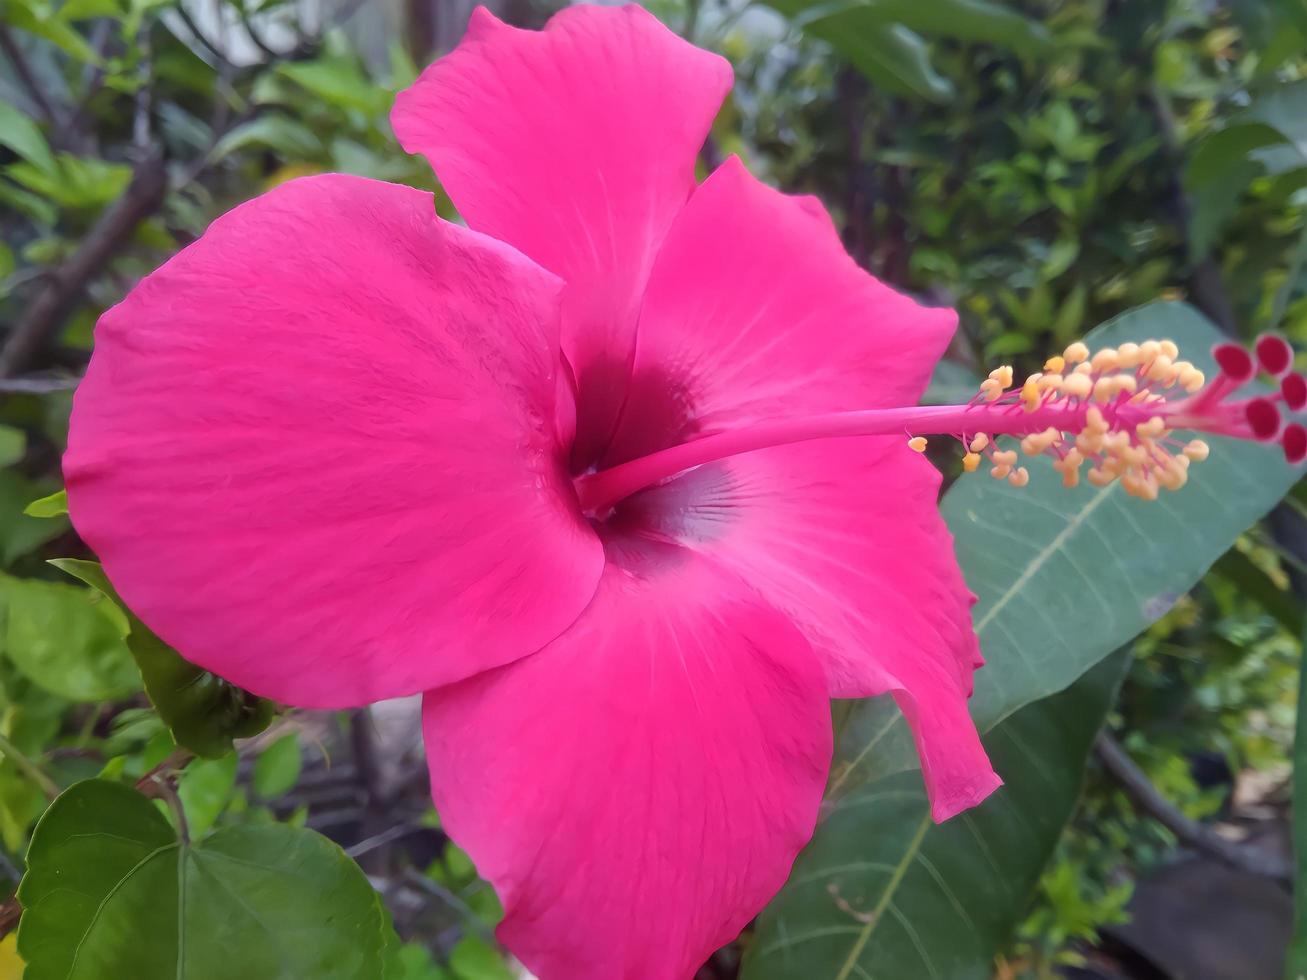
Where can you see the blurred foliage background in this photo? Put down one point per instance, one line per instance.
(1040, 165)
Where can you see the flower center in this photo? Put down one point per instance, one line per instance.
(1111, 414)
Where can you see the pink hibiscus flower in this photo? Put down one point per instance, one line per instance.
(616, 475)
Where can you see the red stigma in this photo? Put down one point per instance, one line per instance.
(1293, 389)
(1273, 354)
(1235, 362)
(1263, 418)
(1294, 443)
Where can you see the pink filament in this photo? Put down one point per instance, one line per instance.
(600, 491)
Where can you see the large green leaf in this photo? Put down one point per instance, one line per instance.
(24, 137)
(111, 891)
(203, 711)
(881, 37)
(1269, 136)
(66, 639)
(965, 20)
(1064, 577)
(890, 55)
(917, 899)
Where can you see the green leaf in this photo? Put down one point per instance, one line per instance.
(1064, 577)
(46, 24)
(338, 82)
(277, 769)
(1296, 968)
(67, 639)
(287, 137)
(411, 961)
(55, 505)
(1270, 136)
(24, 137)
(966, 20)
(1253, 583)
(475, 959)
(205, 788)
(19, 533)
(890, 55)
(881, 37)
(884, 892)
(951, 383)
(111, 891)
(13, 445)
(203, 711)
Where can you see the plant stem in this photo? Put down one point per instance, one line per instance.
(29, 768)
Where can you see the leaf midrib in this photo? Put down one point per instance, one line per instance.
(886, 897)
(104, 902)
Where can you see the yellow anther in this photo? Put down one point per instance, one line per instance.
(1078, 386)
(1019, 477)
(1003, 375)
(1148, 350)
(1125, 382)
(1085, 368)
(1076, 353)
(1172, 477)
(1154, 428)
(1070, 478)
(1055, 364)
(1127, 356)
(1104, 390)
(1000, 472)
(1030, 392)
(1133, 455)
(1038, 442)
(978, 442)
(1006, 457)
(991, 389)
(1050, 382)
(1105, 360)
(1098, 477)
(1169, 348)
(1160, 369)
(917, 444)
(1197, 450)
(1094, 420)
(1191, 379)
(1090, 443)
(971, 462)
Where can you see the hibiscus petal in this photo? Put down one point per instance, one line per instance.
(845, 537)
(755, 311)
(577, 145)
(316, 450)
(637, 790)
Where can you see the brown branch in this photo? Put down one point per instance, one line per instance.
(65, 285)
(25, 75)
(1146, 798)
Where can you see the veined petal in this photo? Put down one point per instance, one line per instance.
(845, 537)
(637, 790)
(575, 144)
(755, 311)
(316, 451)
